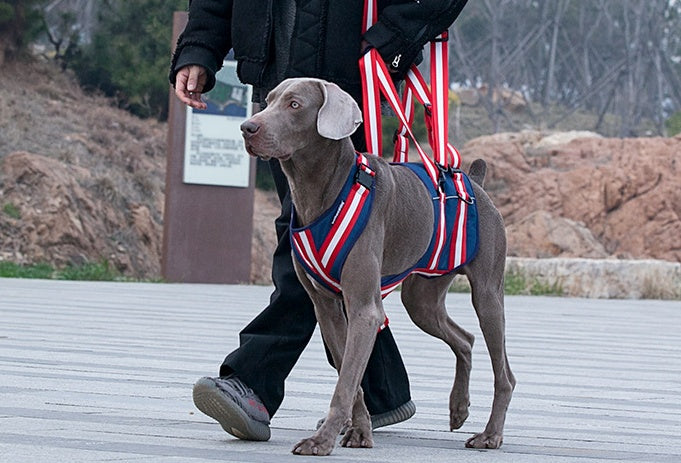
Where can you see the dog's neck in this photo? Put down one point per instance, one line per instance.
(316, 177)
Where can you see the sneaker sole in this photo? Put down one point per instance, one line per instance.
(209, 399)
(401, 413)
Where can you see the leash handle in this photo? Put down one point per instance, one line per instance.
(376, 80)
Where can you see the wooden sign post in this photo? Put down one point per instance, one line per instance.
(208, 214)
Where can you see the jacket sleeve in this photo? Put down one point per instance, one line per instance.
(403, 28)
(206, 39)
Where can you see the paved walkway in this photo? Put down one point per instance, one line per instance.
(102, 372)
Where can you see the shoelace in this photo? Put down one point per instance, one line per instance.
(237, 384)
(247, 399)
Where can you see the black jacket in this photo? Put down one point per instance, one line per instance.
(326, 37)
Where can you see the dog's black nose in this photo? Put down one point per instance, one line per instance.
(249, 128)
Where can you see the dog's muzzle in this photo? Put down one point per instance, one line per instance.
(249, 130)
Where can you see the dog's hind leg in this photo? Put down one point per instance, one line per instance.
(424, 299)
(488, 299)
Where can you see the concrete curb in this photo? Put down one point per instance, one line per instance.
(602, 278)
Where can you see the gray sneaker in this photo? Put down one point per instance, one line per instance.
(401, 413)
(234, 405)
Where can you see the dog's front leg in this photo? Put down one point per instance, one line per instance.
(364, 308)
(360, 433)
(347, 404)
(333, 327)
(364, 315)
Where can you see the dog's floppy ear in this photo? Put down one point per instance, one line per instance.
(339, 115)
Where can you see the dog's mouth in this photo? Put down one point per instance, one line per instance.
(253, 151)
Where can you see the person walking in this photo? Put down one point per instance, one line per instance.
(273, 40)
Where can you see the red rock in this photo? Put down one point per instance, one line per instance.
(626, 192)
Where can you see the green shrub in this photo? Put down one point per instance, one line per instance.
(6, 13)
(129, 55)
(673, 124)
(514, 283)
(20, 22)
(263, 176)
(11, 210)
(390, 125)
(517, 283)
(460, 285)
(12, 270)
(90, 271)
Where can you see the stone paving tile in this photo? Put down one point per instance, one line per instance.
(102, 372)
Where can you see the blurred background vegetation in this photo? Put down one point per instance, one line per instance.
(119, 48)
(610, 58)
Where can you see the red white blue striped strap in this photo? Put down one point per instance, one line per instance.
(321, 260)
(376, 79)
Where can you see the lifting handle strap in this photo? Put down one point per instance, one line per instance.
(376, 80)
(373, 68)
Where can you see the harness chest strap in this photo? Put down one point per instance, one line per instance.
(322, 260)
(326, 261)
(323, 245)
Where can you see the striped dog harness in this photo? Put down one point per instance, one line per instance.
(323, 246)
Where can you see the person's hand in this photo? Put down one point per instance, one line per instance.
(364, 49)
(189, 83)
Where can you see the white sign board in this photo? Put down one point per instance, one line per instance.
(214, 152)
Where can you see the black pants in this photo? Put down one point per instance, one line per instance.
(271, 344)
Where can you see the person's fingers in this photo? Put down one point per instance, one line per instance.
(189, 81)
(193, 100)
(193, 79)
(366, 47)
(196, 102)
(181, 91)
(181, 82)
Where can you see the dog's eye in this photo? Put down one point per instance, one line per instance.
(295, 105)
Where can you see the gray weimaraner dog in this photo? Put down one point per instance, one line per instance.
(307, 125)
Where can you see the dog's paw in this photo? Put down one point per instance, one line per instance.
(459, 403)
(313, 446)
(457, 418)
(485, 441)
(356, 438)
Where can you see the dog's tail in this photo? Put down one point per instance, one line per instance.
(477, 171)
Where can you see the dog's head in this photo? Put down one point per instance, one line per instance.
(299, 111)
